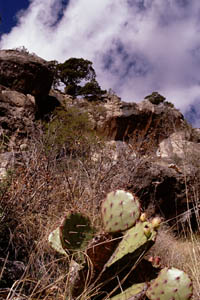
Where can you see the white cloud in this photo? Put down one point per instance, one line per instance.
(137, 46)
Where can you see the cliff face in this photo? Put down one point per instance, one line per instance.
(143, 125)
(152, 130)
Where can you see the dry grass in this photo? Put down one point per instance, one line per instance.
(40, 191)
(180, 252)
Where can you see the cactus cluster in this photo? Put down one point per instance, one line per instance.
(126, 238)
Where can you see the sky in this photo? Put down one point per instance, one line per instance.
(136, 46)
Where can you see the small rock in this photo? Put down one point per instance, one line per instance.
(23, 147)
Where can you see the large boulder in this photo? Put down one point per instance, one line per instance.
(25, 73)
(179, 146)
(160, 187)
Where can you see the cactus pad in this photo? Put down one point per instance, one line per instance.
(171, 284)
(135, 292)
(55, 242)
(75, 232)
(120, 210)
(100, 250)
(135, 242)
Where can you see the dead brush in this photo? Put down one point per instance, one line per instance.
(41, 189)
(181, 251)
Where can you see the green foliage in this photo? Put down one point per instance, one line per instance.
(169, 104)
(69, 132)
(72, 236)
(92, 90)
(73, 70)
(155, 98)
(78, 76)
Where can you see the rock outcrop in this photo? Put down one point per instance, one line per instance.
(142, 125)
(25, 73)
(178, 146)
(17, 115)
(160, 187)
(25, 82)
(152, 130)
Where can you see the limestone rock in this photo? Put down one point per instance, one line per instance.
(143, 125)
(114, 150)
(25, 73)
(178, 147)
(17, 115)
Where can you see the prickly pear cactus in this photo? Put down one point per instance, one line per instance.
(100, 250)
(135, 292)
(120, 211)
(55, 242)
(135, 242)
(170, 284)
(75, 232)
(73, 236)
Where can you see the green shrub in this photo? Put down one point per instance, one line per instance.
(155, 98)
(69, 132)
(79, 78)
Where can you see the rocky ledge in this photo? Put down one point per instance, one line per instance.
(25, 73)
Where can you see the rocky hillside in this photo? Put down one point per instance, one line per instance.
(152, 130)
(147, 148)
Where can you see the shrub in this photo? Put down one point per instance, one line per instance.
(155, 98)
(69, 132)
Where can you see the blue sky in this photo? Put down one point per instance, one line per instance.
(8, 12)
(137, 46)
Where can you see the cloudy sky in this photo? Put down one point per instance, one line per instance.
(136, 46)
